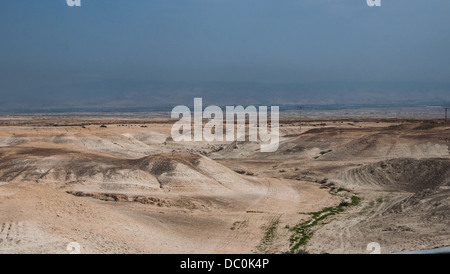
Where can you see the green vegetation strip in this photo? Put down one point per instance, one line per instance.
(303, 232)
(269, 235)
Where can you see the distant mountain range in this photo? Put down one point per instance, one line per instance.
(137, 95)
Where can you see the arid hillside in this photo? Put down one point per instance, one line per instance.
(124, 186)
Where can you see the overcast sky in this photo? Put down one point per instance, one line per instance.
(45, 43)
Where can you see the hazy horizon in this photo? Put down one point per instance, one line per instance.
(145, 54)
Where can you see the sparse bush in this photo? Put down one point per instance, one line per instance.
(356, 200)
(343, 204)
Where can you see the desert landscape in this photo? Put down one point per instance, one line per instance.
(122, 185)
(334, 116)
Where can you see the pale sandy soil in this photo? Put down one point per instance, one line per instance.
(128, 188)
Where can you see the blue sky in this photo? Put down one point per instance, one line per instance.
(46, 43)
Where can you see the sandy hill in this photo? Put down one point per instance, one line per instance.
(79, 169)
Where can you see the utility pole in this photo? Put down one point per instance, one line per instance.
(300, 108)
(446, 111)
